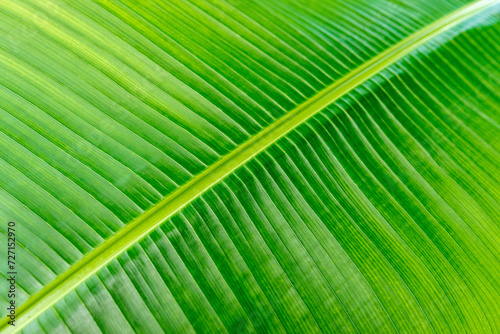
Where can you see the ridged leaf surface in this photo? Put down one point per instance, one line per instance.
(260, 166)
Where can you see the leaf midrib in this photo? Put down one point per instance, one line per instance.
(170, 205)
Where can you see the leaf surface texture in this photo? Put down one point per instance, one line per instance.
(146, 200)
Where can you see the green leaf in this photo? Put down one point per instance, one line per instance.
(251, 166)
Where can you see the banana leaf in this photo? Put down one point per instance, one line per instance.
(250, 166)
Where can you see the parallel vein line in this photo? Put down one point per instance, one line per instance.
(183, 196)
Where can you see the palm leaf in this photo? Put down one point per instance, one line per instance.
(259, 166)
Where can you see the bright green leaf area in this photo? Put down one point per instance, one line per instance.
(233, 166)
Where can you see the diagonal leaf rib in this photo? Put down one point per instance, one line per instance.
(183, 196)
